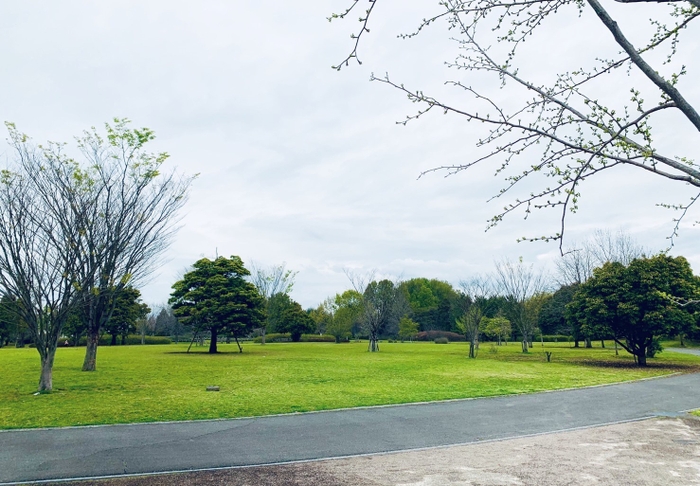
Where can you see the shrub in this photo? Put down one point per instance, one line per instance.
(317, 338)
(106, 339)
(555, 338)
(432, 335)
(441, 340)
(274, 337)
(277, 337)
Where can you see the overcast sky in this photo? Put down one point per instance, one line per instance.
(299, 163)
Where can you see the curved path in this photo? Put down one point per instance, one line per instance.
(30, 455)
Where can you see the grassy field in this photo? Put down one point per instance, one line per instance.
(163, 383)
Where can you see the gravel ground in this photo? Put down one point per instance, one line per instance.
(663, 451)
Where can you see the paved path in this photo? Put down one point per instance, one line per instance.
(145, 448)
(694, 351)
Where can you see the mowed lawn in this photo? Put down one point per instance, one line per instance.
(163, 383)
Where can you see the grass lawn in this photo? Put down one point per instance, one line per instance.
(163, 383)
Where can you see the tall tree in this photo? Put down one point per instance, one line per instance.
(296, 321)
(271, 281)
(518, 283)
(127, 311)
(383, 303)
(215, 296)
(475, 303)
(137, 205)
(44, 205)
(637, 303)
(347, 315)
(557, 123)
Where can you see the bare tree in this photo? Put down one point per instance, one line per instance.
(272, 280)
(136, 209)
(576, 264)
(573, 126)
(475, 299)
(518, 283)
(41, 248)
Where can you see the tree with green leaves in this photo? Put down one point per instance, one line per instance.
(296, 321)
(127, 311)
(347, 315)
(637, 303)
(134, 217)
(497, 327)
(408, 328)
(216, 296)
(432, 303)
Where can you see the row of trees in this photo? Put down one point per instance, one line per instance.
(607, 290)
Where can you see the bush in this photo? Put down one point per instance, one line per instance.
(274, 337)
(441, 340)
(316, 338)
(432, 335)
(555, 338)
(130, 339)
(277, 337)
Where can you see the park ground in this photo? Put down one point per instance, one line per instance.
(164, 383)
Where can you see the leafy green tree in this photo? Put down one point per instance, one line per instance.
(637, 303)
(552, 318)
(497, 327)
(408, 328)
(323, 315)
(432, 303)
(215, 296)
(296, 321)
(11, 325)
(383, 304)
(127, 310)
(470, 324)
(347, 315)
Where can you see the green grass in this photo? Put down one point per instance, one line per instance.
(162, 383)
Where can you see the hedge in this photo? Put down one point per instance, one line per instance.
(276, 337)
(106, 339)
(433, 335)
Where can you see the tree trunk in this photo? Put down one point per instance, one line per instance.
(373, 344)
(588, 343)
(46, 380)
(93, 339)
(471, 349)
(576, 343)
(602, 343)
(262, 341)
(616, 352)
(113, 342)
(525, 350)
(641, 358)
(212, 343)
(240, 349)
(680, 336)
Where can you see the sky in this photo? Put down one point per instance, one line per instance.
(301, 164)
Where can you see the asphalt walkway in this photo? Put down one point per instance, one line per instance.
(30, 455)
